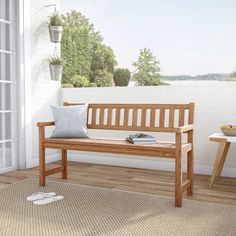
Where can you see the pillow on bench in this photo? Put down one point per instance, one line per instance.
(70, 121)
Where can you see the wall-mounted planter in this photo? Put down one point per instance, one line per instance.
(56, 72)
(55, 33)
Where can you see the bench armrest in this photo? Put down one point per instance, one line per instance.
(48, 123)
(184, 129)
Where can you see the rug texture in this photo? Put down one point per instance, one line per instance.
(97, 211)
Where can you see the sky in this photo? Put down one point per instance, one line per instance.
(187, 36)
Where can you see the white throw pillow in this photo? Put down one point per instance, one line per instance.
(70, 121)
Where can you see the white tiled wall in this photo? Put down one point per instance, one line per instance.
(43, 91)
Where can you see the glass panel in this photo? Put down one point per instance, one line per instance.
(5, 62)
(5, 126)
(5, 96)
(8, 154)
(4, 9)
(5, 36)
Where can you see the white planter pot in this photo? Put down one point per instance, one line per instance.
(55, 33)
(56, 72)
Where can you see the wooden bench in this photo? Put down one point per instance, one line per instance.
(171, 118)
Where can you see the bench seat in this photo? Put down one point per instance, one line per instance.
(117, 146)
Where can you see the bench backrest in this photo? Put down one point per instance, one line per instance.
(138, 117)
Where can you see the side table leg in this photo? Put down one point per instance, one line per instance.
(218, 161)
(222, 160)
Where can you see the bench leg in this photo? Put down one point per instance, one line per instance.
(42, 165)
(64, 163)
(190, 172)
(178, 171)
(178, 182)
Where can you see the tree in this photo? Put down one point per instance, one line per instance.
(147, 69)
(75, 51)
(76, 19)
(84, 52)
(103, 58)
(121, 77)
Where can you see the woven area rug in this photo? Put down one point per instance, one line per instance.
(97, 211)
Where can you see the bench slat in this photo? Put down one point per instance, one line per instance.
(143, 117)
(126, 117)
(162, 118)
(135, 117)
(171, 118)
(117, 118)
(94, 114)
(101, 116)
(152, 117)
(181, 117)
(109, 116)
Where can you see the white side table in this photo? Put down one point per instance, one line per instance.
(224, 144)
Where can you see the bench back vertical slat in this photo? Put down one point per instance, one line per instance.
(171, 118)
(139, 117)
(101, 116)
(94, 115)
(143, 117)
(152, 117)
(117, 116)
(181, 117)
(126, 117)
(109, 116)
(135, 117)
(162, 118)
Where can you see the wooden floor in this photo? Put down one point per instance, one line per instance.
(136, 180)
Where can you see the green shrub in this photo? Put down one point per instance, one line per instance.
(121, 77)
(55, 19)
(104, 79)
(67, 86)
(79, 81)
(92, 85)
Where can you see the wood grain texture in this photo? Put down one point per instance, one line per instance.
(42, 168)
(219, 161)
(64, 163)
(178, 171)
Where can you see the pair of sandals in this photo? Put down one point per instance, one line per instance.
(42, 198)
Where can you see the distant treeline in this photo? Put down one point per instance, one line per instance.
(219, 77)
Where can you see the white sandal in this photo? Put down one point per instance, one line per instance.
(40, 195)
(48, 200)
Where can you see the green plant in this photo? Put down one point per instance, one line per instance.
(104, 79)
(55, 19)
(79, 81)
(67, 86)
(75, 50)
(103, 58)
(55, 60)
(121, 77)
(92, 85)
(83, 49)
(147, 69)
